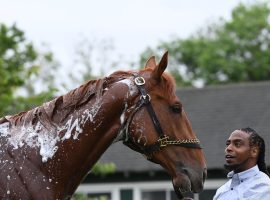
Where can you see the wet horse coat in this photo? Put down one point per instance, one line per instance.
(46, 152)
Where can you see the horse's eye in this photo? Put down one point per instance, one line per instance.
(177, 108)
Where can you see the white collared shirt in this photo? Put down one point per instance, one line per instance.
(251, 184)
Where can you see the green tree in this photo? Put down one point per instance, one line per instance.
(20, 67)
(237, 50)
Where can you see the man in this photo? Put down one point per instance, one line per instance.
(249, 178)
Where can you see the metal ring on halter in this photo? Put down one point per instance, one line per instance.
(145, 97)
(139, 80)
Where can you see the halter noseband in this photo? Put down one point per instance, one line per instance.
(164, 140)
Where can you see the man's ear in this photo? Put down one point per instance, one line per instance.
(254, 152)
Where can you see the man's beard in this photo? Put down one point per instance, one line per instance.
(236, 167)
(232, 167)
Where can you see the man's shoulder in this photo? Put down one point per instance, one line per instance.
(263, 178)
(260, 182)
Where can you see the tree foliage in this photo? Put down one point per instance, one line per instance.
(237, 50)
(20, 65)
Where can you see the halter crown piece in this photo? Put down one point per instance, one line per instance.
(164, 140)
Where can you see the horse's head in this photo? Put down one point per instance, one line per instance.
(158, 127)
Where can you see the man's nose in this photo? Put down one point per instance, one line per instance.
(228, 148)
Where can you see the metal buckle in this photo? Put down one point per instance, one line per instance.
(139, 80)
(163, 142)
(146, 97)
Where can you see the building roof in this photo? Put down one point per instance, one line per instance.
(214, 113)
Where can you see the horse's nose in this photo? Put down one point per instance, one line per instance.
(197, 178)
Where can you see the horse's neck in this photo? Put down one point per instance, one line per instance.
(88, 133)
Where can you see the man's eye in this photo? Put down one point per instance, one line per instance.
(237, 144)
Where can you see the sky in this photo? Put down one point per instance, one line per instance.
(130, 26)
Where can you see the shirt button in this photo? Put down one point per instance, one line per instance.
(231, 188)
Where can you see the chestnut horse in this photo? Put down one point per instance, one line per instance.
(46, 152)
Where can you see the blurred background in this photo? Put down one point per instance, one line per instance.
(218, 53)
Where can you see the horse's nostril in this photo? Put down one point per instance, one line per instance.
(204, 174)
(185, 171)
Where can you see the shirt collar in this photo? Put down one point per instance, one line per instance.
(245, 174)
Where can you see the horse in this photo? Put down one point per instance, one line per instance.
(46, 152)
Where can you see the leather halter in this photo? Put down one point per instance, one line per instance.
(163, 140)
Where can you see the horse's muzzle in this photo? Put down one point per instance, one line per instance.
(188, 182)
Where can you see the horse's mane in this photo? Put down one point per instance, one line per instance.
(63, 105)
(57, 110)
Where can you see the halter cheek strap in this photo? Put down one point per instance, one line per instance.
(163, 140)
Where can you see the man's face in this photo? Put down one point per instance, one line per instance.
(239, 155)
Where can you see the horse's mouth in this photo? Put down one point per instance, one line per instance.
(184, 187)
(182, 191)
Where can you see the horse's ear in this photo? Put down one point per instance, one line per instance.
(160, 68)
(151, 62)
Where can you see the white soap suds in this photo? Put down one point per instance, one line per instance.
(122, 117)
(4, 129)
(132, 87)
(45, 138)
